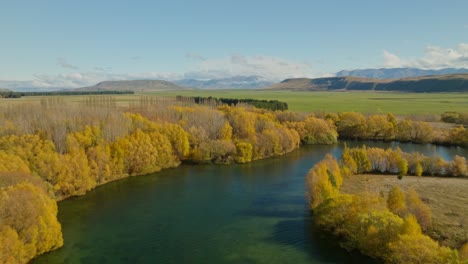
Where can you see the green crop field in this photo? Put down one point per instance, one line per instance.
(365, 102)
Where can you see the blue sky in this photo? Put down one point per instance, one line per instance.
(76, 43)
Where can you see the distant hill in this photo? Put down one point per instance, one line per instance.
(4, 90)
(134, 85)
(439, 83)
(397, 73)
(225, 83)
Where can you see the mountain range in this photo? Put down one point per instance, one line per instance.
(397, 73)
(439, 83)
(361, 79)
(133, 85)
(245, 82)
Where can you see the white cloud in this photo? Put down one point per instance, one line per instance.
(434, 57)
(62, 62)
(270, 68)
(391, 60)
(195, 56)
(80, 79)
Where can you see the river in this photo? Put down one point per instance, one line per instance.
(241, 213)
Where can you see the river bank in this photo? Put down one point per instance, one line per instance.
(253, 212)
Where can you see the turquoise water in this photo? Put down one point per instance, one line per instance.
(242, 213)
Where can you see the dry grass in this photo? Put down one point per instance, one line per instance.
(447, 197)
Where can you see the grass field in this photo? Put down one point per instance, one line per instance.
(447, 197)
(365, 102)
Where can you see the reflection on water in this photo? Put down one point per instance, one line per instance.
(243, 213)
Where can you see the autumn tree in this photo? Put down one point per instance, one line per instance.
(243, 152)
(463, 253)
(351, 125)
(459, 166)
(418, 248)
(359, 156)
(419, 209)
(28, 223)
(323, 181)
(378, 127)
(396, 202)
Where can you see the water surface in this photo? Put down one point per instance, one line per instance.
(242, 213)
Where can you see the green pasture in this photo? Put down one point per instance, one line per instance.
(364, 102)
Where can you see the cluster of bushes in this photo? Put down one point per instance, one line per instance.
(455, 118)
(352, 125)
(273, 105)
(395, 161)
(386, 228)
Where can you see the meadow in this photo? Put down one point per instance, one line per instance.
(364, 102)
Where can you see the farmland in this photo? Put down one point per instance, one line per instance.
(364, 102)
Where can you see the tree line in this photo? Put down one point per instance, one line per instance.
(395, 161)
(273, 105)
(352, 125)
(388, 228)
(11, 94)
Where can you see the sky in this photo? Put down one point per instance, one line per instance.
(78, 43)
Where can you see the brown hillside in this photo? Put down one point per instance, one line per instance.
(439, 83)
(133, 85)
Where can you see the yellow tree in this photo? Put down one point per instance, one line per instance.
(459, 166)
(419, 249)
(30, 213)
(74, 177)
(378, 159)
(396, 201)
(12, 163)
(348, 160)
(375, 231)
(463, 253)
(12, 249)
(379, 127)
(165, 157)
(140, 156)
(403, 130)
(178, 138)
(359, 156)
(351, 125)
(323, 181)
(419, 209)
(411, 226)
(226, 132)
(38, 154)
(244, 151)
